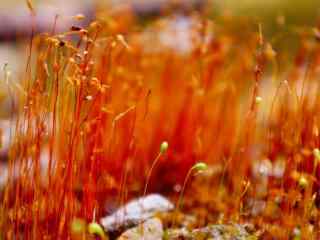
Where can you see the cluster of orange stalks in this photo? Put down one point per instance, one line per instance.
(96, 103)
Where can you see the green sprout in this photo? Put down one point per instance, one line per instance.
(258, 100)
(163, 148)
(303, 182)
(200, 167)
(196, 168)
(296, 233)
(96, 229)
(78, 226)
(316, 154)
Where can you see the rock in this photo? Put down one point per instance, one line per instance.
(149, 230)
(4, 173)
(177, 234)
(217, 232)
(6, 128)
(254, 207)
(144, 8)
(177, 33)
(136, 212)
(44, 164)
(19, 26)
(223, 232)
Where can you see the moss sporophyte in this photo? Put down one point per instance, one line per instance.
(195, 169)
(163, 148)
(93, 105)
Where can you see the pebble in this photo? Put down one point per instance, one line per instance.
(151, 229)
(136, 211)
(222, 232)
(217, 232)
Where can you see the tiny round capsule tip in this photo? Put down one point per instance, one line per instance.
(200, 166)
(258, 100)
(95, 228)
(164, 147)
(316, 153)
(78, 226)
(303, 182)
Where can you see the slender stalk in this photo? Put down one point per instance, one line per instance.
(179, 204)
(156, 160)
(163, 148)
(198, 167)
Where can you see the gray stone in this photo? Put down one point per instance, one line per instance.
(216, 232)
(149, 230)
(136, 211)
(7, 132)
(223, 232)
